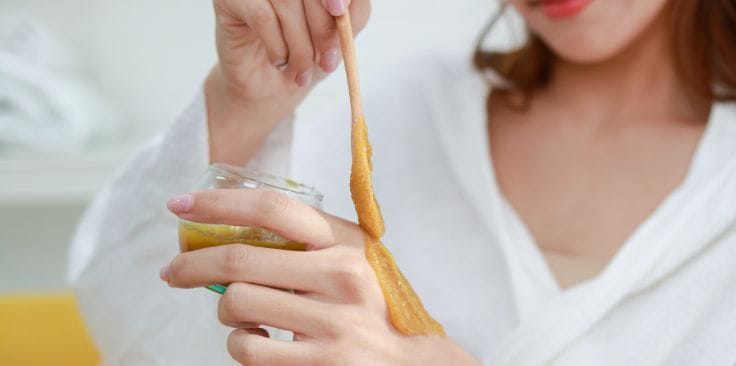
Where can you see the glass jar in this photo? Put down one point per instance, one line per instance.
(193, 235)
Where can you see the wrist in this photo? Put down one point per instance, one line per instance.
(237, 127)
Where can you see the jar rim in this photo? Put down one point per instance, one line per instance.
(266, 179)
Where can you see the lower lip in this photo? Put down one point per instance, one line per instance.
(563, 8)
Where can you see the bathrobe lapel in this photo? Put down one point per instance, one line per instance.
(550, 320)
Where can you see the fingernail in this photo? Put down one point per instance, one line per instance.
(335, 7)
(304, 77)
(328, 60)
(180, 204)
(164, 273)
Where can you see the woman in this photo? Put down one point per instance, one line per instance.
(579, 214)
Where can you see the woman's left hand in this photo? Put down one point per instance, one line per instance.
(337, 310)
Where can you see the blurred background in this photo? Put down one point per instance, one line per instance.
(83, 82)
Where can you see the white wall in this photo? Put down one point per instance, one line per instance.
(149, 57)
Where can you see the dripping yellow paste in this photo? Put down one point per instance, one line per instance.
(406, 311)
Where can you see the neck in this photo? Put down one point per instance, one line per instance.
(638, 84)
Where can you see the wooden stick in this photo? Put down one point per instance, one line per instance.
(347, 45)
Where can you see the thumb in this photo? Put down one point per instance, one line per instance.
(336, 7)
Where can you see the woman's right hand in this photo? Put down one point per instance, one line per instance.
(270, 53)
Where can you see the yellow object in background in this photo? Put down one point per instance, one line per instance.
(44, 330)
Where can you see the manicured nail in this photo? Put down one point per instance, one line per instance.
(335, 7)
(164, 273)
(180, 204)
(304, 77)
(328, 60)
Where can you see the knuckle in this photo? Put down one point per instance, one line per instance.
(231, 304)
(236, 259)
(272, 203)
(351, 276)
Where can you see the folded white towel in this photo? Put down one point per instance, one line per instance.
(45, 104)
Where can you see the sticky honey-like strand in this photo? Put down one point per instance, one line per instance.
(406, 311)
(361, 185)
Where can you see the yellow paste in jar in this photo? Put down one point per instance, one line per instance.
(195, 235)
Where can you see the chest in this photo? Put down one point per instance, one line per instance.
(582, 190)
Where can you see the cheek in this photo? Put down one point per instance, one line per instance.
(602, 30)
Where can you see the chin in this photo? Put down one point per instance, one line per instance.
(584, 48)
(589, 31)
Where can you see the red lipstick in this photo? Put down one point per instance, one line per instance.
(561, 8)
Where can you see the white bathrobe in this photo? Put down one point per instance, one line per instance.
(667, 298)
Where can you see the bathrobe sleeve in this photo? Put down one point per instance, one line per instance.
(127, 235)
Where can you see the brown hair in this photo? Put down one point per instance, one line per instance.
(704, 40)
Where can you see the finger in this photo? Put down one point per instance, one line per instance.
(261, 17)
(360, 11)
(338, 272)
(296, 33)
(243, 263)
(335, 7)
(290, 218)
(255, 350)
(245, 302)
(323, 30)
